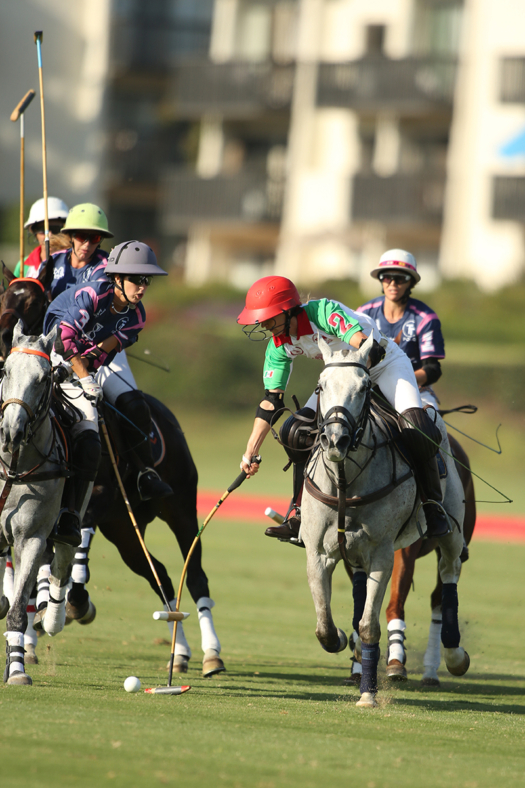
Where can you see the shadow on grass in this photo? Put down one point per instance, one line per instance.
(458, 705)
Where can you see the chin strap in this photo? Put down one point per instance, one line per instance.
(123, 291)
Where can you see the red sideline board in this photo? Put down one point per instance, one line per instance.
(250, 508)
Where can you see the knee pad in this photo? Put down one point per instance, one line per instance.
(134, 406)
(86, 454)
(296, 435)
(416, 442)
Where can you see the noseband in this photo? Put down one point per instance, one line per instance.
(356, 427)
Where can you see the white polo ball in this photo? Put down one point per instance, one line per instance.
(132, 684)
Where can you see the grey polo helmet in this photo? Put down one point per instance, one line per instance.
(133, 257)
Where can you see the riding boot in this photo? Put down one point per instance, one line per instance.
(423, 437)
(77, 490)
(289, 529)
(428, 477)
(134, 406)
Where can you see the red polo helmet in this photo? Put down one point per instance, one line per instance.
(267, 298)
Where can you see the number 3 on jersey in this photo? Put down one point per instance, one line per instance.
(336, 320)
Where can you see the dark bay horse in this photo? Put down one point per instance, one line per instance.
(26, 299)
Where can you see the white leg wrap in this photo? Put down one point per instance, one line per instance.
(182, 647)
(55, 617)
(432, 656)
(396, 638)
(79, 571)
(209, 639)
(16, 656)
(30, 636)
(42, 586)
(9, 579)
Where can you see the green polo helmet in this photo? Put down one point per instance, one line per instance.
(87, 216)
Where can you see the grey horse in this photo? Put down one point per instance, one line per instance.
(32, 456)
(374, 525)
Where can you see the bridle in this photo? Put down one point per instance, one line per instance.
(356, 426)
(36, 417)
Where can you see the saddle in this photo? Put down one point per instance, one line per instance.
(387, 420)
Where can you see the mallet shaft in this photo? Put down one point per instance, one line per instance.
(38, 41)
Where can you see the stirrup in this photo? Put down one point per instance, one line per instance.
(427, 535)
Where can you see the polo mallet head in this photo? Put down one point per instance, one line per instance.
(169, 615)
(167, 690)
(23, 105)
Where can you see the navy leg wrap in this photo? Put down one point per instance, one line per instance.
(450, 628)
(359, 593)
(369, 660)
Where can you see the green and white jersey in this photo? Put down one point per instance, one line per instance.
(333, 321)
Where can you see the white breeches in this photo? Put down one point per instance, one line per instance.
(115, 379)
(395, 377)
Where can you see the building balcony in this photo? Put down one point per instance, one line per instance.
(401, 198)
(247, 197)
(238, 89)
(374, 84)
(508, 198)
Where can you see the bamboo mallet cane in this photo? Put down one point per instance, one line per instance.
(17, 113)
(130, 510)
(237, 483)
(38, 41)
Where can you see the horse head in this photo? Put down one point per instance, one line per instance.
(23, 300)
(344, 395)
(26, 388)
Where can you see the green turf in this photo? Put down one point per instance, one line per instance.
(280, 715)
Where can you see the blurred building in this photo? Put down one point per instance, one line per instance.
(243, 137)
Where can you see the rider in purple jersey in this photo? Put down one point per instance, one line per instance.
(413, 325)
(94, 321)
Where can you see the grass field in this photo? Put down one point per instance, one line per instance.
(280, 715)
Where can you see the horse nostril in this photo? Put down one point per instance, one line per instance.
(324, 441)
(343, 444)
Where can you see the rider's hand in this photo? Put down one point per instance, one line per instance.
(91, 388)
(250, 468)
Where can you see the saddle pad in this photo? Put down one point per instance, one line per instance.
(157, 443)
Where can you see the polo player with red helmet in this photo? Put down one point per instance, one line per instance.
(274, 310)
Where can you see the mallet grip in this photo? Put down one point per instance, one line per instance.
(242, 476)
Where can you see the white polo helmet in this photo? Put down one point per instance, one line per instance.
(56, 209)
(397, 260)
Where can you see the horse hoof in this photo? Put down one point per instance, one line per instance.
(30, 657)
(367, 701)
(396, 671)
(180, 664)
(457, 668)
(429, 681)
(90, 616)
(38, 622)
(19, 680)
(4, 607)
(211, 666)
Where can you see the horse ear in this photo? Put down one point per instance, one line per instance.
(18, 333)
(48, 340)
(46, 274)
(7, 273)
(364, 350)
(325, 348)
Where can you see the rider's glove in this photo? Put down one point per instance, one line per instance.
(91, 388)
(94, 358)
